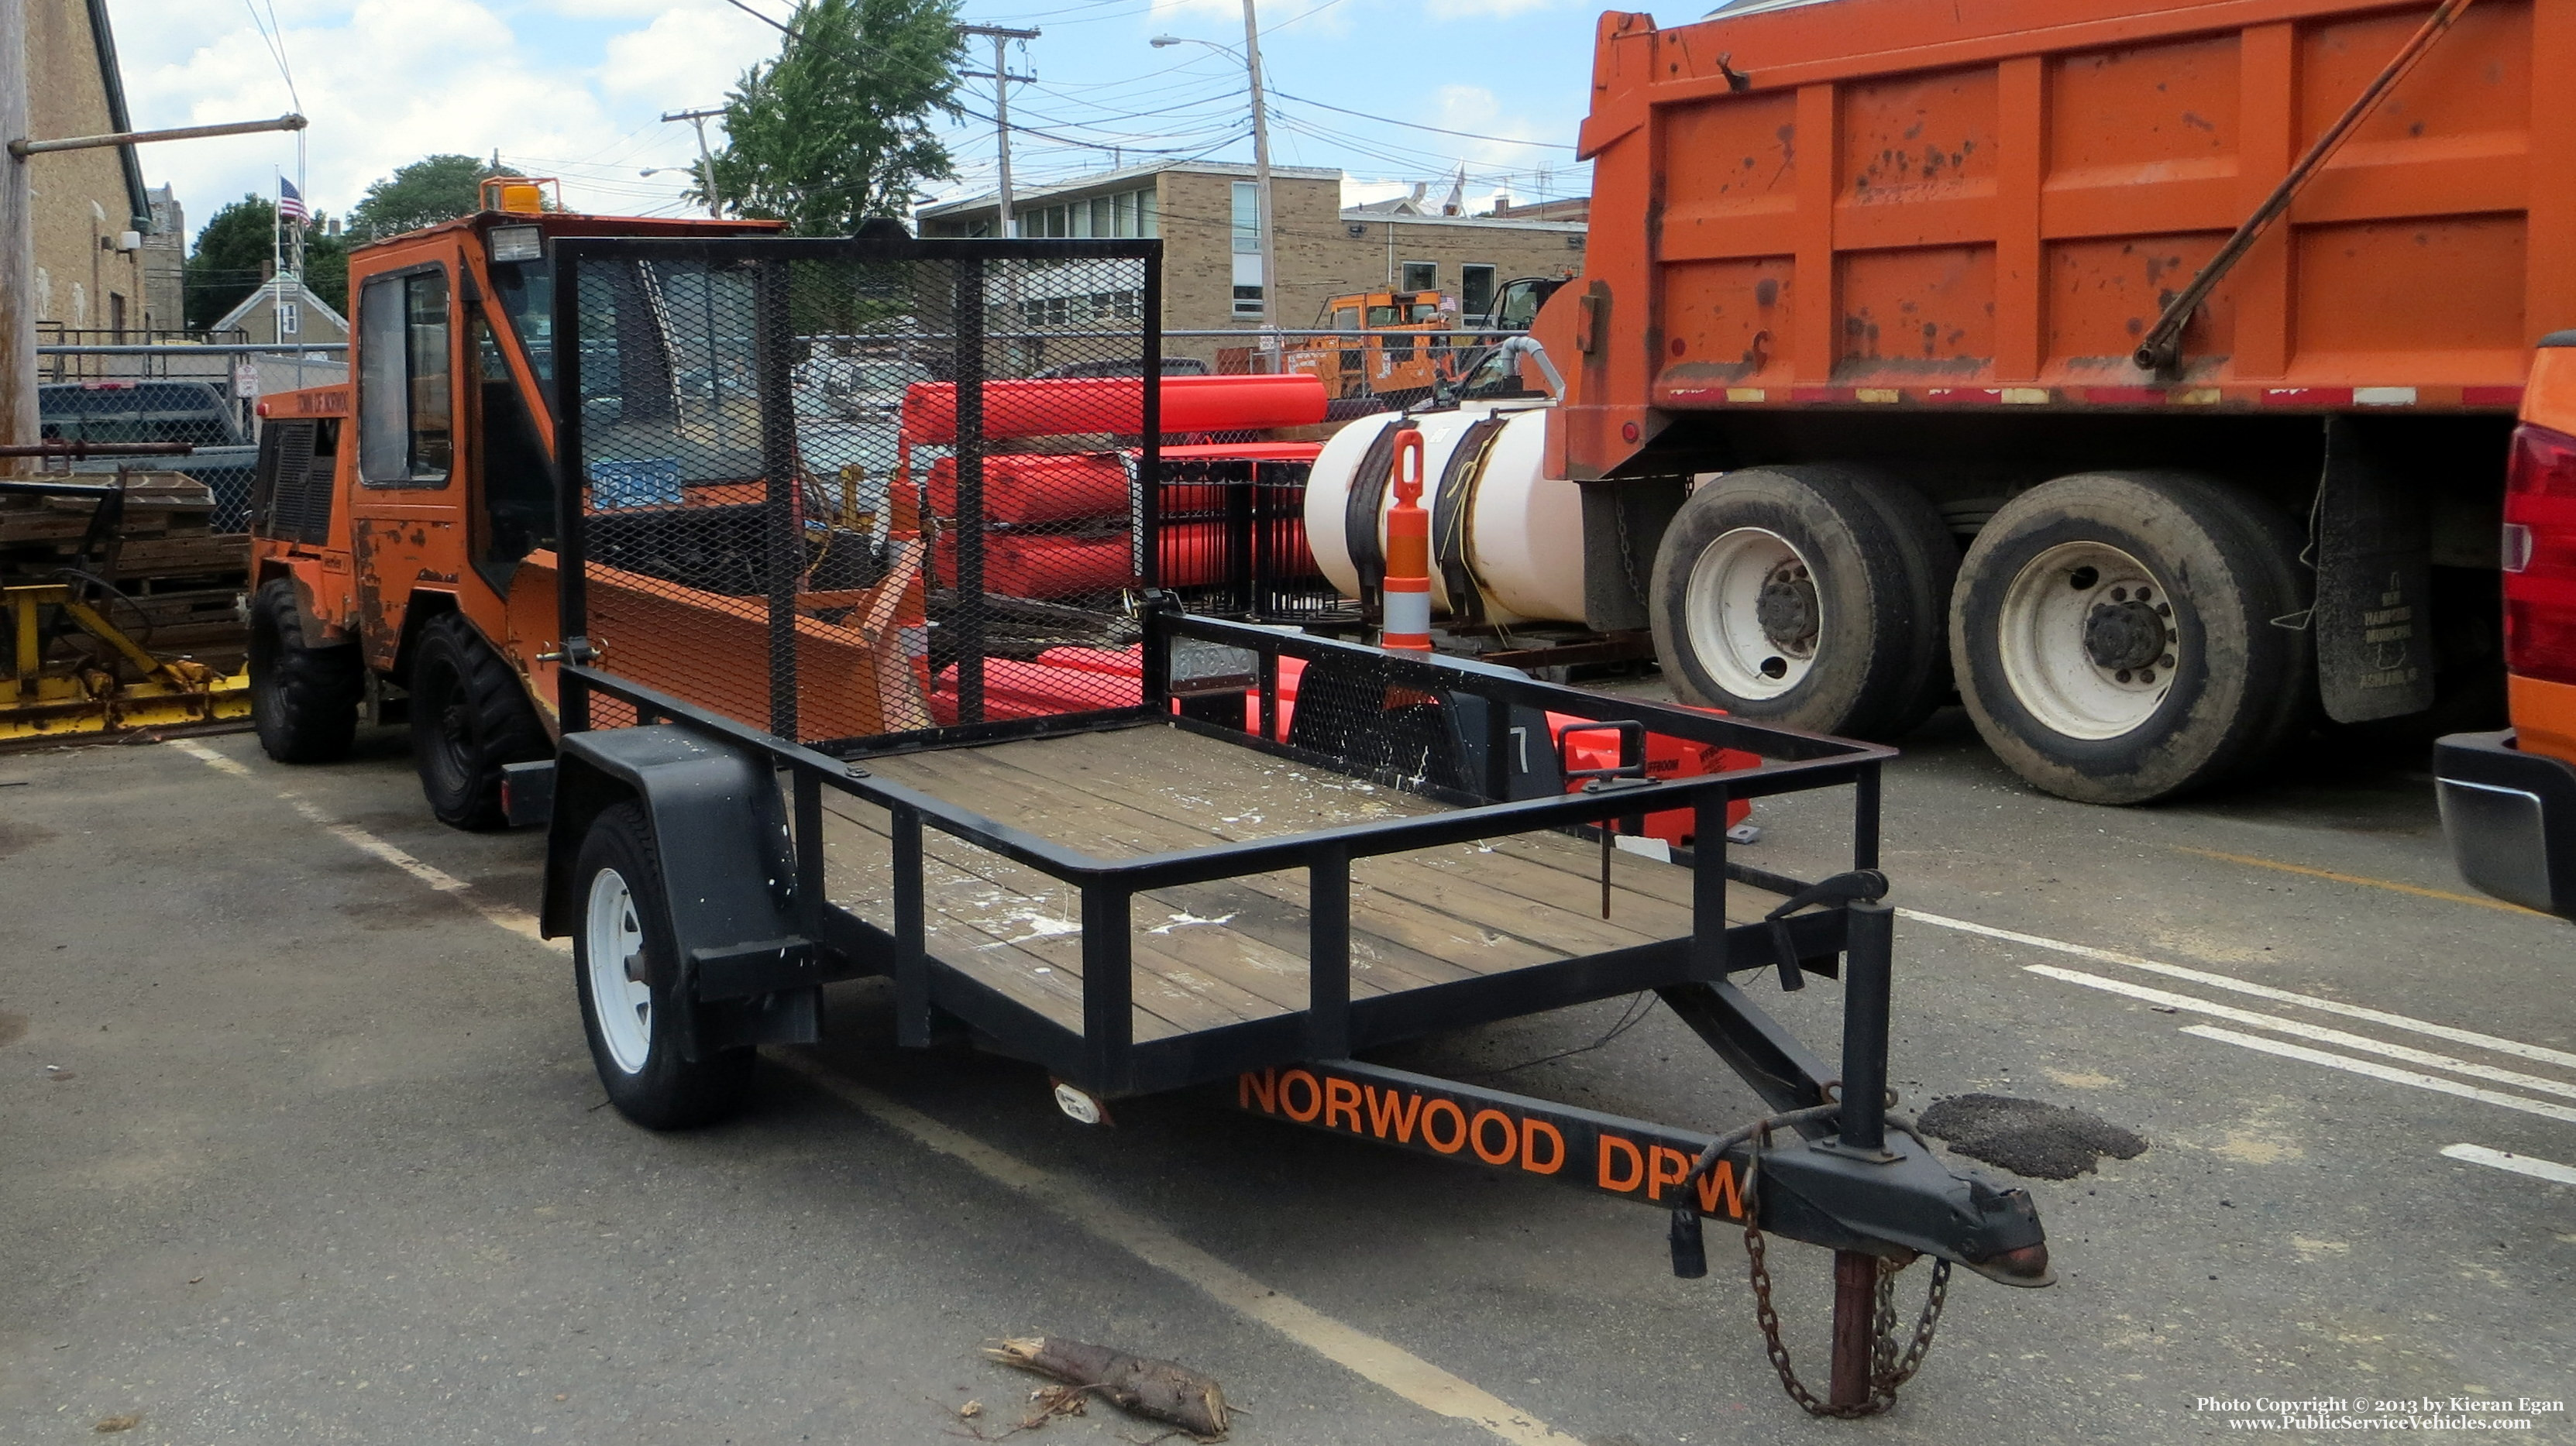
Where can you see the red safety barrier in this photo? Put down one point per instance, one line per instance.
(1065, 406)
(1044, 565)
(1022, 487)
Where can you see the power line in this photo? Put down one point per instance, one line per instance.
(1418, 126)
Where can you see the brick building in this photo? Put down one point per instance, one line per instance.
(1205, 212)
(88, 204)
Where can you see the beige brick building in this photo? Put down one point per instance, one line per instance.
(1206, 215)
(88, 204)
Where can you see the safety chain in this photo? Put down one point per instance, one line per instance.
(1889, 1368)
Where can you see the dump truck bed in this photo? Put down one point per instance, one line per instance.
(1885, 203)
(1231, 951)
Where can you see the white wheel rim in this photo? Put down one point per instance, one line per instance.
(614, 938)
(1723, 607)
(2042, 641)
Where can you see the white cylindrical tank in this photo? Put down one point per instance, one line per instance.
(1521, 534)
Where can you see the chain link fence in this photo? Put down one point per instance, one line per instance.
(1386, 369)
(838, 489)
(194, 387)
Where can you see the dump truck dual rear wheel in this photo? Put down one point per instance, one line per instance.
(2114, 635)
(1811, 595)
(625, 968)
(303, 700)
(469, 716)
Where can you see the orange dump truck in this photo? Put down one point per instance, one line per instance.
(2144, 371)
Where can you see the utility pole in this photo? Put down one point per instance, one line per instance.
(697, 120)
(18, 424)
(1269, 217)
(1001, 78)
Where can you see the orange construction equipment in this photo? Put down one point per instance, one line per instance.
(1407, 623)
(404, 528)
(1392, 345)
(2178, 320)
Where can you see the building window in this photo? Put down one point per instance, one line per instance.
(1125, 214)
(1476, 291)
(1247, 301)
(1247, 222)
(1420, 276)
(116, 313)
(1148, 212)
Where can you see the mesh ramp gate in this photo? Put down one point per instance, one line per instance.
(838, 489)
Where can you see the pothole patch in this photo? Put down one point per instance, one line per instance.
(2029, 1137)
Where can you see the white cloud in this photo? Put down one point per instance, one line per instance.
(1513, 142)
(384, 82)
(689, 56)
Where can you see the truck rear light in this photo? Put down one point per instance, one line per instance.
(2539, 555)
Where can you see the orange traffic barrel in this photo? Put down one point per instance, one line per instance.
(1407, 590)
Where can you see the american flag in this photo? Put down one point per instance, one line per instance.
(288, 202)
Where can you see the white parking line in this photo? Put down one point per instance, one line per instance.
(517, 921)
(1379, 1361)
(2416, 1078)
(2260, 991)
(2318, 1033)
(2533, 1166)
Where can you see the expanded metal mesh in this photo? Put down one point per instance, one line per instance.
(838, 490)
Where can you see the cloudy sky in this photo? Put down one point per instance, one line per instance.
(575, 89)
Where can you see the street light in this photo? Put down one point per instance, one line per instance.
(1266, 220)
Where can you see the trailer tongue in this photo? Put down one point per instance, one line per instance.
(1182, 875)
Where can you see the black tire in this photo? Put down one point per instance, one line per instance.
(303, 701)
(469, 716)
(2227, 689)
(1877, 566)
(1931, 554)
(662, 1090)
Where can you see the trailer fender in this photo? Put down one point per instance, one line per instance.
(720, 835)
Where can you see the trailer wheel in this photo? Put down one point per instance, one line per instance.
(303, 701)
(469, 716)
(1806, 595)
(2113, 635)
(625, 969)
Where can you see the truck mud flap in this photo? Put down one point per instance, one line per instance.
(2373, 616)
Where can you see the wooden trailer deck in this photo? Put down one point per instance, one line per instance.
(1210, 955)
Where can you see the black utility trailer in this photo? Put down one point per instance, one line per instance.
(1218, 855)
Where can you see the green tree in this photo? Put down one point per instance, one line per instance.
(424, 193)
(838, 128)
(232, 256)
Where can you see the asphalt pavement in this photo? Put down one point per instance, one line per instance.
(299, 1142)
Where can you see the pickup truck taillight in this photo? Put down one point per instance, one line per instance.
(2540, 555)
